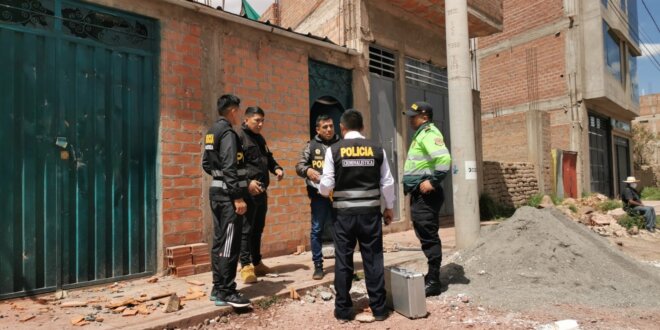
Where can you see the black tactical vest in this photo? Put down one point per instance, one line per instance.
(218, 190)
(357, 176)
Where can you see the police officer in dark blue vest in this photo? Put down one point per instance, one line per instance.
(224, 160)
(310, 167)
(356, 175)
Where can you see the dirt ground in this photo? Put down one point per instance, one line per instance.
(594, 278)
(445, 312)
(583, 276)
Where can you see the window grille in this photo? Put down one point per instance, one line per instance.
(382, 62)
(423, 74)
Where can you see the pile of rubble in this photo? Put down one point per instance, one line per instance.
(587, 212)
(97, 308)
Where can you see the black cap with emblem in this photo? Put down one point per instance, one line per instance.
(419, 108)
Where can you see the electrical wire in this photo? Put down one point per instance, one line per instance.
(646, 46)
(650, 15)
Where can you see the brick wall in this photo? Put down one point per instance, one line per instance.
(275, 77)
(561, 130)
(509, 183)
(649, 111)
(649, 105)
(531, 71)
(182, 123)
(292, 12)
(505, 138)
(523, 15)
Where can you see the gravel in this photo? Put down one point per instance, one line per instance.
(540, 258)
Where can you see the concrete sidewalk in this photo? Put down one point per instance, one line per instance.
(292, 271)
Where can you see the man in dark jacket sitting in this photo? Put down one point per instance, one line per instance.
(633, 205)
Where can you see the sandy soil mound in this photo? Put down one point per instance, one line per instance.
(540, 258)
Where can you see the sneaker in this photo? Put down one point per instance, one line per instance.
(318, 272)
(214, 294)
(235, 299)
(433, 288)
(382, 317)
(261, 270)
(247, 274)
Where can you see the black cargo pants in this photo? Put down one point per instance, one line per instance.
(424, 211)
(227, 226)
(253, 228)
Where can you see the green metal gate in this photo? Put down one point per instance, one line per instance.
(78, 134)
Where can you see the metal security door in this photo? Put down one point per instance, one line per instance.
(330, 92)
(425, 82)
(622, 162)
(383, 109)
(78, 125)
(599, 153)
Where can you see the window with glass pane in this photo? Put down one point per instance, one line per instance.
(634, 83)
(612, 52)
(623, 6)
(604, 2)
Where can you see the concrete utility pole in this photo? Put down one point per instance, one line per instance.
(464, 164)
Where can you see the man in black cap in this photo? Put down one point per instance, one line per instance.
(223, 159)
(357, 169)
(427, 164)
(259, 161)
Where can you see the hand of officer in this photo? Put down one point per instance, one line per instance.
(280, 174)
(388, 215)
(426, 187)
(313, 175)
(240, 206)
(254, 188)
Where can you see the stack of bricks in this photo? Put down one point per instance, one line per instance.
(510, 184)
(185, 260)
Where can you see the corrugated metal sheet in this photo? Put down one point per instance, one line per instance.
(83, 211)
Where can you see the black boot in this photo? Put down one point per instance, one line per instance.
(432, 285)
(433, 288)
(318, 272)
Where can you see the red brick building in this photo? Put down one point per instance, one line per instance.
(107, 101)
(649, 116)
(561, 79)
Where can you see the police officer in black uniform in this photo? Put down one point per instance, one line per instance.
(310, 167)
(357, 169)
(223, 159)
(259, 161)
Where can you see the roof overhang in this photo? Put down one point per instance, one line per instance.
(484, 16)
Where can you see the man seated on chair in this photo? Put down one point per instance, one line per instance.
(633, 205)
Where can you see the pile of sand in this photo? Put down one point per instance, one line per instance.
(540, 258)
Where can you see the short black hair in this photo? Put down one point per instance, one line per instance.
(251, 111)
(226, 102)
(352, 120)
(321, 118)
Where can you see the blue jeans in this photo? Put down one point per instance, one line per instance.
(648, 212)
(321, 214)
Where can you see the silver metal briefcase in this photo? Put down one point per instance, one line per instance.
(405, 292)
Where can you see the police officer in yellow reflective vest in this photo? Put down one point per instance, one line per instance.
(426, 166)
(357, 169)
(224, 160)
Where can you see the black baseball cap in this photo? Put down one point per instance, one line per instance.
(419, 108)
